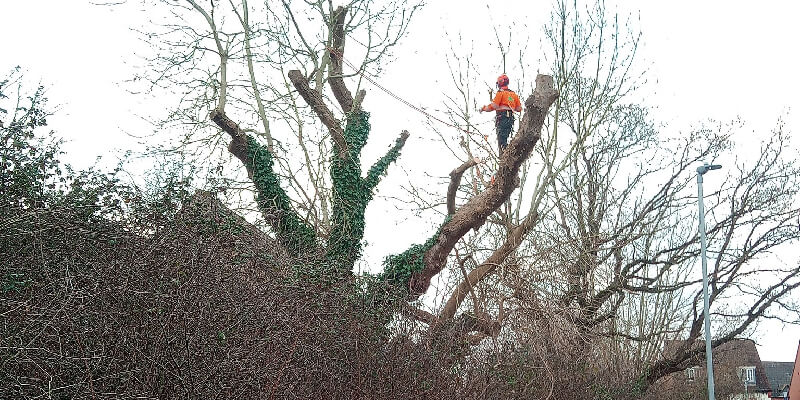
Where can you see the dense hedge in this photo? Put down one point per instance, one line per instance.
(202, 309)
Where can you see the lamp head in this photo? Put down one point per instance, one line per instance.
(707, 167)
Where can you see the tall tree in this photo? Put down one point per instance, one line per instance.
(602, 233)
(598, 229)
(319, 48)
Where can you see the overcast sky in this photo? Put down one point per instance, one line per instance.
(709, 59)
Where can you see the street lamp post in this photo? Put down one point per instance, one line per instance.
(702, 221)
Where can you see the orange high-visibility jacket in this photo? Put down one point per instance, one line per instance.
(504, 100)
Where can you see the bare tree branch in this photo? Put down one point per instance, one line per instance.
(317, 103)
(475, 212)
(455, 181)
(512, 242)
(335, 80)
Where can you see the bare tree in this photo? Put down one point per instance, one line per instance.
(603, 229)
(598, 227)
(323, 59)
(234, 56)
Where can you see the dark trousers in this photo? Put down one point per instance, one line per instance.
(504, 122)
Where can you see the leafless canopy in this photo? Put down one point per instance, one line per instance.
(578, 254)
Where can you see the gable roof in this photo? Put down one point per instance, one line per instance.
(727, 358)
(743, 352)
(794, 386)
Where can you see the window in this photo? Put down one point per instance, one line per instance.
(691, 373)
(747, 375)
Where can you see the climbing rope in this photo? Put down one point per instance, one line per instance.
(363, 74)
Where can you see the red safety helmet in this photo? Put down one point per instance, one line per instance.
(502, 81)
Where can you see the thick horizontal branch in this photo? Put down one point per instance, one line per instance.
(482, 323)
(455, 181)
(467, 327)
(474, 213)
(419, 314)
(315, 101)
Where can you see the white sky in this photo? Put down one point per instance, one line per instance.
(710, 59)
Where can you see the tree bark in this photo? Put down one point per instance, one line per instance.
(455, 180)
(475, 212)
(238, 145)
(314, 99)
(487, 267)
(335, 80)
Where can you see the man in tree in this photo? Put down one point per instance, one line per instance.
(505, 103)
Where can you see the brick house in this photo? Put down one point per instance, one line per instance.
(739, 374)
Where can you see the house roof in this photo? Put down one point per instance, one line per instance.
(743, 352)
(779, 374)
(728, 357)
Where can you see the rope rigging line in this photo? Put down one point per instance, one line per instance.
(363, 74)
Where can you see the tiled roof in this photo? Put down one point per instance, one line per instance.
(778, 373)
(728, 357)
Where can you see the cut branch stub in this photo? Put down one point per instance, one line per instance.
(238, 146)
(359, 99)
(476, 210)
(455, 181)
(317, 103)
